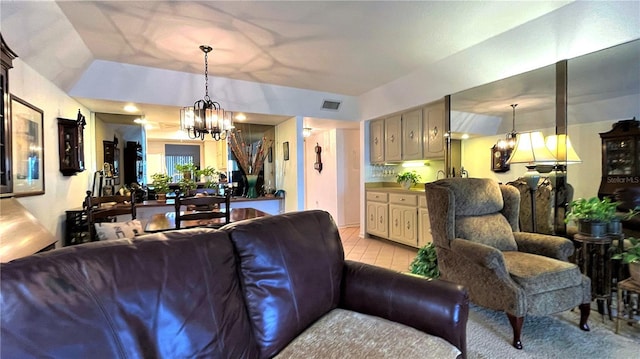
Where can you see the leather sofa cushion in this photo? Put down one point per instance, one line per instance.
(173, 295)
(539, 274)
(347, 334)
(291, 268)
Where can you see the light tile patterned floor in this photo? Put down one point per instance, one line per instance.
(378, 252)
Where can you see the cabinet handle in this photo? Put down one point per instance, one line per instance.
(380, 219)
(375, 140)
(408, 225)
(372, 219)
(435, 131)
(392, 138)
(411, 134)
(401, 199)
(396, 222)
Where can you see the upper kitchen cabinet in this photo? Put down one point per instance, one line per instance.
(376, 141)
(412, 135)
(393, 139)
(433, 116)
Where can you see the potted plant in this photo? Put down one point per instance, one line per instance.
(186, 169)
(209, 174)
(426, 262)
(408, 179)
(186, 185)
(631, 256)
(592, 215)
(615, 224)
(161, 185)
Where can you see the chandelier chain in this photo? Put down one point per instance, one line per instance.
(206, 75)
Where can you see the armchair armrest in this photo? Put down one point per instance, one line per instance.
(433, 306)
(481, 254)
(544, 245)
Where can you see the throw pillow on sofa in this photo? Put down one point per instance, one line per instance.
(118, 230)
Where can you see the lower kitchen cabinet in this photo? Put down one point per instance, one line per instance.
(377, 214)
(403, 225)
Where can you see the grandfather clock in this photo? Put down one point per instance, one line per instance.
(71, 144)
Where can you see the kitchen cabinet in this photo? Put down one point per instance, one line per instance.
(620, 157)
(433, 130)
(403, 215)
(393, 139)
(376, 141)
(412, 135)
(424, 225)
(377, 214)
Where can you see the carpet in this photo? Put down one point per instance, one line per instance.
(489, 335)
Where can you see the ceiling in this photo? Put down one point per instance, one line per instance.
(337, 47)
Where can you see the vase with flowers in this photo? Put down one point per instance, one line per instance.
(250, 157)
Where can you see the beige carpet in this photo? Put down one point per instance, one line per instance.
(489, 335)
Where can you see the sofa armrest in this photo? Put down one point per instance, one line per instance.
(433, 306)
(544, 245)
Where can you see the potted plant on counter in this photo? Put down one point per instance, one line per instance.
(408, 179)
(631, 256)
(161, 185)
(187, 170)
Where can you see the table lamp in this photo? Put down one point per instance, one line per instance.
(530, 149)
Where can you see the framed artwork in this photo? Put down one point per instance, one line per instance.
(270, 154)
(27, 126)
(285, 150)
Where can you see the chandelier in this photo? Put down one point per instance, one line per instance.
(206, 116)
(510, 141)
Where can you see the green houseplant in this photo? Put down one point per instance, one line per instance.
(592, 215)
(209, 174)
(408, 179)
(187, 169)
(426, 262)
(631, 256)
(161, 185)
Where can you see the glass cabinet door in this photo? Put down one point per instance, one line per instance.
(620, 157)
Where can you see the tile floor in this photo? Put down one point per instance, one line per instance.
(378, 252)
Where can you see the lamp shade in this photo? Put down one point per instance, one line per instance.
(530, 148)
(560, 146)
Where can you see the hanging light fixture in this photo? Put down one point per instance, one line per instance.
(510, 141)
(206, 116)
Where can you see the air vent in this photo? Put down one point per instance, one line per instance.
(331, 105)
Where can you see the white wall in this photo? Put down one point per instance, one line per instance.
(61, 193)
(348, 177)
(321, 188)
(290, 174)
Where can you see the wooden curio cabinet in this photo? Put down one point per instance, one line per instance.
(71, 145)
(5, 115)
(620, 157)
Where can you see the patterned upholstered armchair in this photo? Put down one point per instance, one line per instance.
(474, 223)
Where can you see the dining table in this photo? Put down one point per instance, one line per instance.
(161, 222)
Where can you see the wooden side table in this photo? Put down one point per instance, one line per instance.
(594, 262)
(624, 307)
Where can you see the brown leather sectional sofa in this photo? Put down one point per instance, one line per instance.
(274, 286)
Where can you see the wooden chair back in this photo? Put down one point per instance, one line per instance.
(202, 207)
(107, 208)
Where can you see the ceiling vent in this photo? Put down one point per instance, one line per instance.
(331, 105)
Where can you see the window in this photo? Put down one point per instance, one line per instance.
(180, 154)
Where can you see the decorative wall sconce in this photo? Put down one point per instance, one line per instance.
(306, 132)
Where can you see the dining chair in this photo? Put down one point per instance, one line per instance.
(202, 207)
(106, 209)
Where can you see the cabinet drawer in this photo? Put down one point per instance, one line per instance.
(377, 196)
(422, 201)
(404, 199)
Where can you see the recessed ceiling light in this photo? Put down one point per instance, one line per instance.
(241, 117)
(131, 108)
(140, 120)
(465, 136)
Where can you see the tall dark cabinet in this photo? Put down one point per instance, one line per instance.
(71, 144)
(5, 115)
(132, 163)
(620, 157)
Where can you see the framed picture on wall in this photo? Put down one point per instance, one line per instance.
(27, 148)
(270, 154)
(285, 151)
